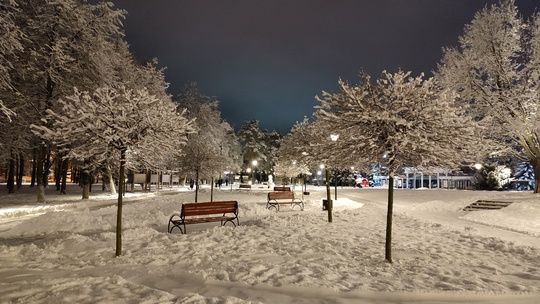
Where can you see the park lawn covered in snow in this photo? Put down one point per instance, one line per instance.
(63, 252)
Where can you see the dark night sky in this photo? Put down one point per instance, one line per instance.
(268, 59)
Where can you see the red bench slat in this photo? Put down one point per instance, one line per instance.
(205, 212)
(273, 197)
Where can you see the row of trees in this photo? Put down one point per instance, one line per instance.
(71, 92)
(481, 104)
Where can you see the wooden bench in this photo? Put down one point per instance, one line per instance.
(282, 188)
(244, 186)
(277, 198)
(194, 213)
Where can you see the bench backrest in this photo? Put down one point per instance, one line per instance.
(245, 186)
(280, 195)
(282, 188)
(208, 208)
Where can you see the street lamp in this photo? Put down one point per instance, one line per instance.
(254, 164)
(248, 170)
(334, 138)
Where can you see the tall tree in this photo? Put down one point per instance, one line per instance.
(213, 147)
(408, 119)
(495, 70)
(127, 121)
(251, 139)
(66, 44)
(295, 155)
(272, 142)
(258, 145)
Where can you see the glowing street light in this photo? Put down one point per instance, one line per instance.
(254, 164)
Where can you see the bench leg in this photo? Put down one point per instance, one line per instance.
(273, 206)
(179, 228)
(301, 205)
(170, 228)
(227, 221)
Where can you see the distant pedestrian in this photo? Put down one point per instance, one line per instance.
(191, 183)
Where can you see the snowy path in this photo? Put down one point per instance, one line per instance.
(67, 255)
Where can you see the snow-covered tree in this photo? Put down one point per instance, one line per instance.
(272, 142)
(259, 145)
(118, 119)
(290, 169)
(213, 147)
(65, 44)
(408, 119)
(253, 143)
(523, 175)
(295, 155)
(312, 142)
(492, 177)
(496, 71)
(10, 48)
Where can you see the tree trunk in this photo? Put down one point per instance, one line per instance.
(196, 185)
(34, 168)
(11, 175)
(58, 173)
(47, 164)
(21, 171)
(85, 183)
(212, 190)
(329, 205)
(112, 187)
(388, 252)
(65, 164)
(40, 173)
(119, 212)
(86, 191)
(335, 185)
(536, 168)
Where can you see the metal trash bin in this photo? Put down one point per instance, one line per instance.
(325, 204)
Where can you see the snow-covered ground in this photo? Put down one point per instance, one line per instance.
(63, 252)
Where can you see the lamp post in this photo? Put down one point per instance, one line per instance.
(248, 170)
(254, 164)
(328, 204)
(304, 190)
(478, 178)
(334, 138)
